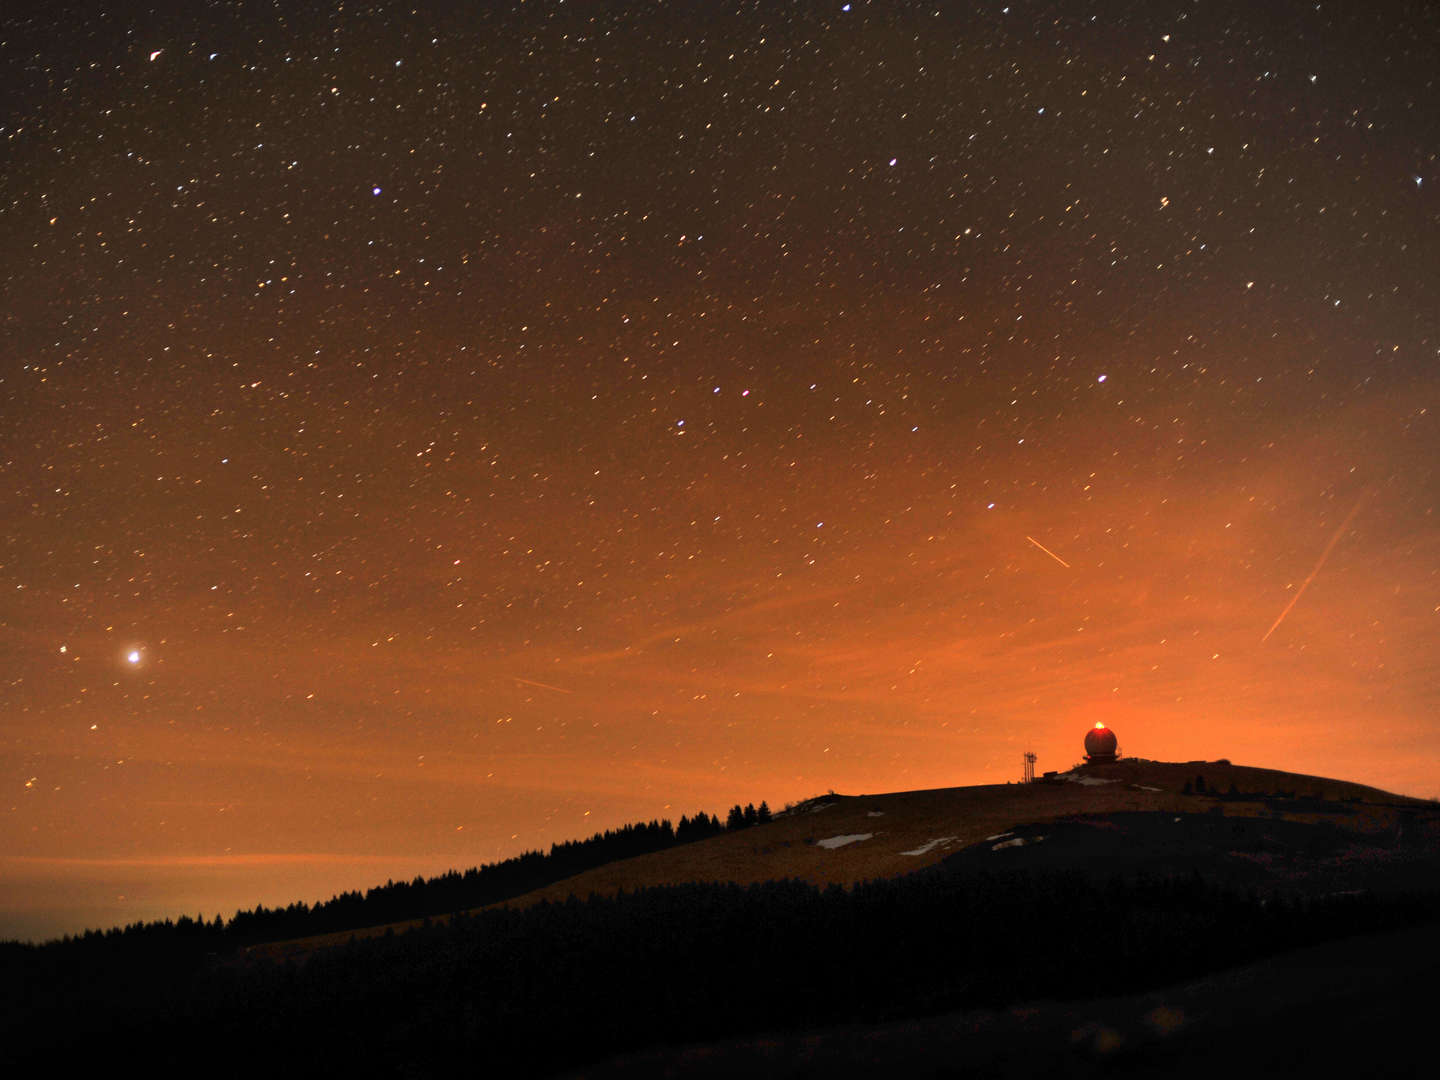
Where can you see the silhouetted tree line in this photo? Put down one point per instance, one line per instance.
(529, 991)
(743, 817)
(399, 901)
(1317, 799)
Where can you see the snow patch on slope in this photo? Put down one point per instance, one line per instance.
(1087, 781)
(833, 842)
(1019, 841)
(925, 849)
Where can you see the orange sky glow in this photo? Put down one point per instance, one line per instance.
(412, 458)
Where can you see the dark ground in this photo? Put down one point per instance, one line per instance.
(1358, 1007)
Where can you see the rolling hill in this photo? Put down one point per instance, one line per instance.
(844, 839)
(1304, 832)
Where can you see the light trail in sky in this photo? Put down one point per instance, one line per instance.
(542, 685)
(1318, 564)
(1047, 551)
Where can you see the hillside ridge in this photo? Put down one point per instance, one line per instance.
(839, 839)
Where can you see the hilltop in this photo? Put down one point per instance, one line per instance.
(845, 839)
(838, 839)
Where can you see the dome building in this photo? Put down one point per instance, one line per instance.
(1100, 745)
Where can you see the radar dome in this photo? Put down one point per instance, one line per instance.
(1100, 744)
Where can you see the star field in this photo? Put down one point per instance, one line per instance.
(433, 433)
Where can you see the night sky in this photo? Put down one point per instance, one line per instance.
(431, 434)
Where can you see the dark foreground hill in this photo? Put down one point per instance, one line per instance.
(1360, 1006)
(1068, 915)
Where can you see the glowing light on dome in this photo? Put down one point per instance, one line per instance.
(1099, 726)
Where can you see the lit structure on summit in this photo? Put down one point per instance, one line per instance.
(1100, 745)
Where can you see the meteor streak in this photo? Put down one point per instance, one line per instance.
(1047, 551)
(542, 685)
(1318, 564)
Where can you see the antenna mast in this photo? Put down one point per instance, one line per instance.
(1029, 775)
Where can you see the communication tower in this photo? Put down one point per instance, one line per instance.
(1029, 776)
